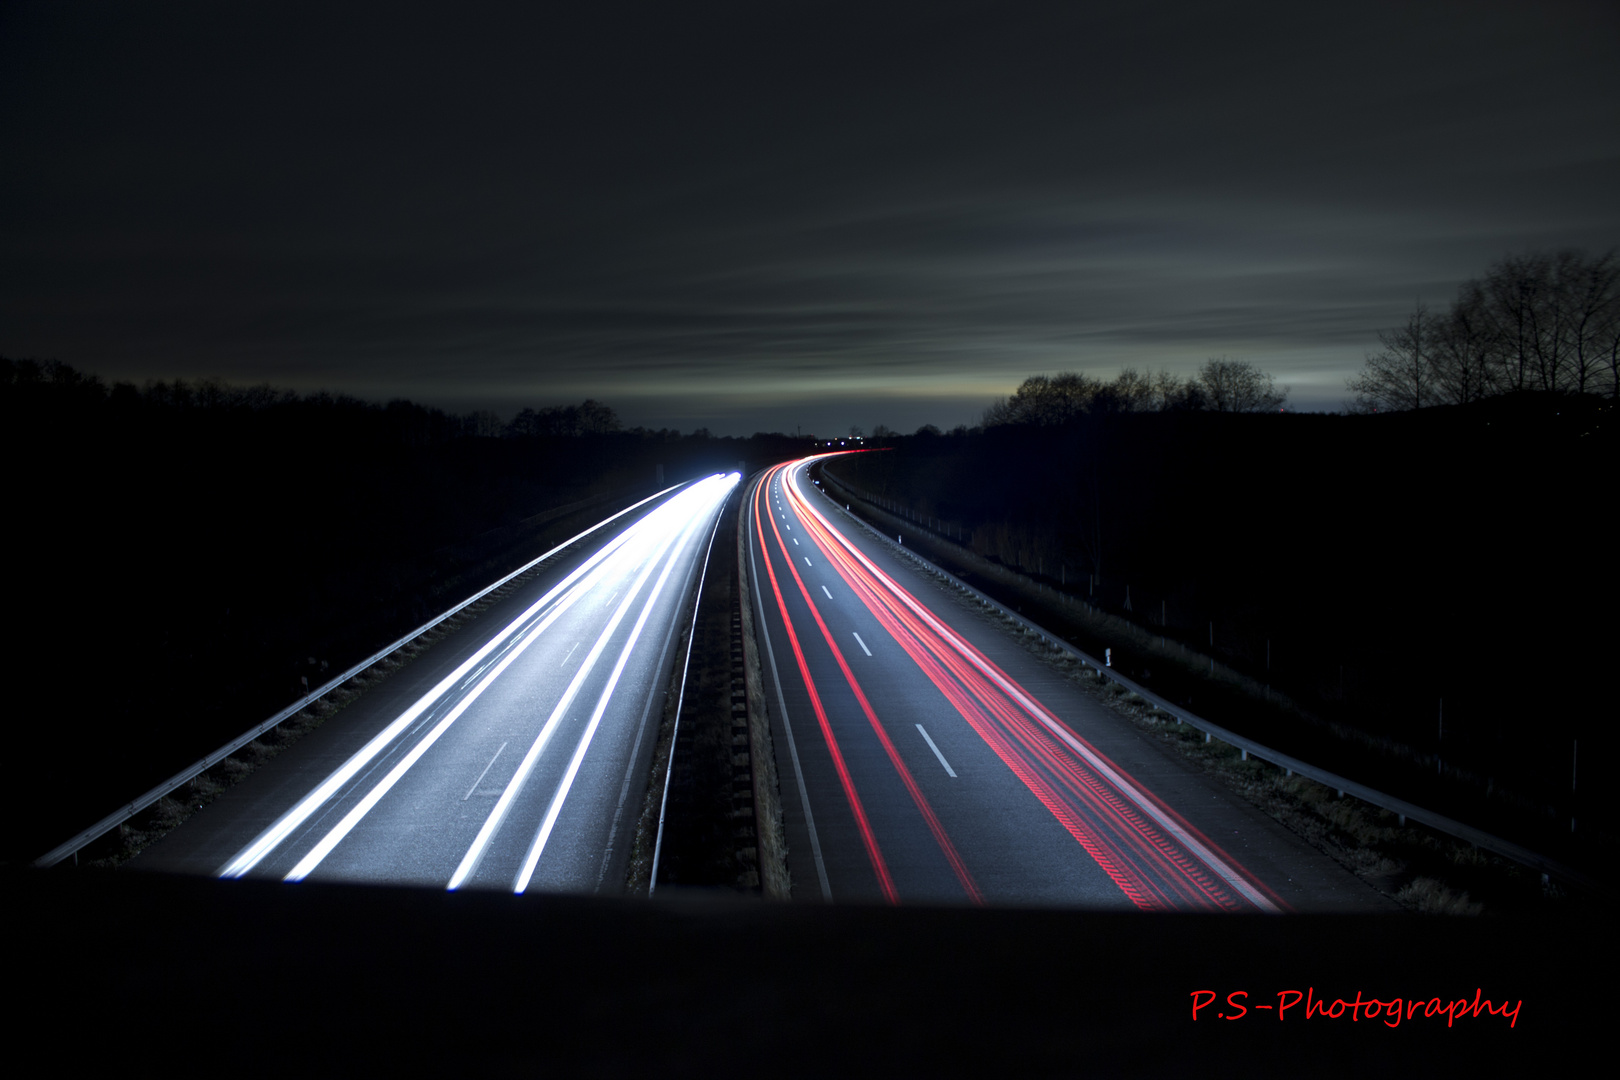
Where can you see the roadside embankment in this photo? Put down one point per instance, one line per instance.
(1425, 869)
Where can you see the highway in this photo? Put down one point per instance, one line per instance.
(927, 756)
(513, 756)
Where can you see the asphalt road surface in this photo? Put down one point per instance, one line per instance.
(926, 755)
(511, 756)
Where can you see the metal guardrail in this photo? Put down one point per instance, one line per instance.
(680, 700)
(197, 768)
(1344, 786)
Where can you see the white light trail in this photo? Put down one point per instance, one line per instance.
(682, 504)
(521, 644)
(272, 837)
(539, 844)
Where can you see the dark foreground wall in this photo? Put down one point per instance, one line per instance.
(127, 970)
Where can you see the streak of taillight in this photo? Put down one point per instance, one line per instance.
(1060, 808)
(910, 636)
(936, 649)
(873, 853)
(958, 865)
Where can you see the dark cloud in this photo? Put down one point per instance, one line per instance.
(777, 208)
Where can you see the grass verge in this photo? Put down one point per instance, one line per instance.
(1424, 871)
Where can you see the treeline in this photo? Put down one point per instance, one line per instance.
(1535, 322)
(72, 409)
(34, 393)
(568, 421)
(1219, 385)
(49, 385)
(184, 554)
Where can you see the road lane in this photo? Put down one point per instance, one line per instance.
(513, 769)
(889, 826)
(1030, 808)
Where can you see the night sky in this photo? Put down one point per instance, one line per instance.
(770, 215)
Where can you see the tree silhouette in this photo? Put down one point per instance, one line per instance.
(1533, 322)
(1239, 386)
(1402, 376)
(1046, 400)
(1056, 400)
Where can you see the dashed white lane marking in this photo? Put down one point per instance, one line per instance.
(485, 773)
(864, 649)
(935, 749)
(824, 589)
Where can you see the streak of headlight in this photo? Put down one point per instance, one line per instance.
(267, 841)
(1145, 802)
(342, 829)
(497, 816)
(539, 844)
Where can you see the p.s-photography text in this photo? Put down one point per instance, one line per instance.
(1391, 1012)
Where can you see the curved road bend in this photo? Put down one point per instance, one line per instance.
(926, 756)
(512, 756)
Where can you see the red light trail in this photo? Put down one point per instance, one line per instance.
(1155, 857)
(958, 866)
